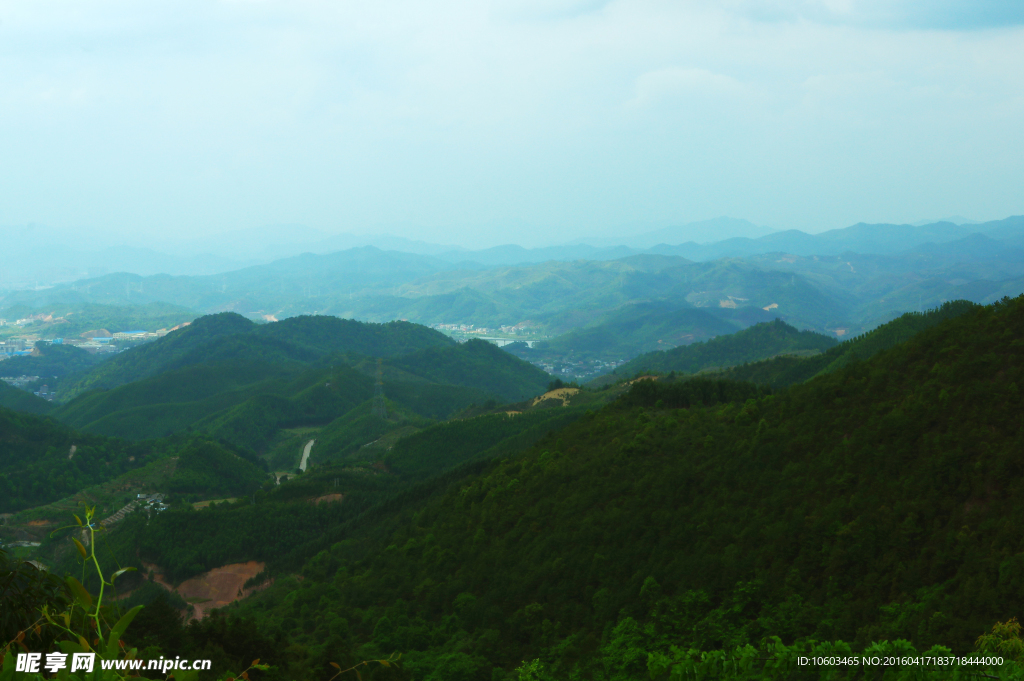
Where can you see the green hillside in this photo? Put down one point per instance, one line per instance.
(477, 364)
(152, 358)
(248, 402)
(284, 529)
(329, 335)
(206, 468)
(784, 371)
(877, 501)
(22, 400)
(636, 329)
(72, 316)
(438, 400)
(210, 388)
(51, 361)
(756, 343)
(315, 398)
(244, 383)
(42, 460)
(358, 434)
(230, 337)
(451, 444)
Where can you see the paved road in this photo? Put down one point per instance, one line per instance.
(305, 455)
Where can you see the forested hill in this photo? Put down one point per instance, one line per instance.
(230, 337)
(22, 400)
(42, 460)
(638, 328)
(784, 371)
(245, 383)
(883, 500)
(477, 364)
(50, 360)
(152, 358)
(756, 343)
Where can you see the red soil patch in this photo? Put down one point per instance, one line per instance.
(216, 588)
(327, 499)
(219, 587)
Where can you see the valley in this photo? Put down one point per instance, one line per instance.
(658, 473)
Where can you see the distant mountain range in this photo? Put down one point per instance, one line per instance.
(593, 302)
(703, 231)
(37, 255)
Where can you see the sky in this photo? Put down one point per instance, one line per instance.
(529, 121)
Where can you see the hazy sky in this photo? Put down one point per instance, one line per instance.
(512, 120)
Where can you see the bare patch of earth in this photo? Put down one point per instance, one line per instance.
(218, 587)
(214, 589)
(562, 394)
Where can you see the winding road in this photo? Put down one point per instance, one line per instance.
(305, 455)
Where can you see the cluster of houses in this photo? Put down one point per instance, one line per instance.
(522, 328)
(96, 341)
(19, 381)
(152, 502)
(579, 369)
(13, 347)
(464, 328)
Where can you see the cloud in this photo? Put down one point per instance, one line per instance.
(889, 14)
(444, 115)
(681, 86)
(539, 10)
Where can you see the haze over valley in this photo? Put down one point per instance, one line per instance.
(582, 309)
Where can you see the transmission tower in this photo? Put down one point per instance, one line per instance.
(379, 408)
